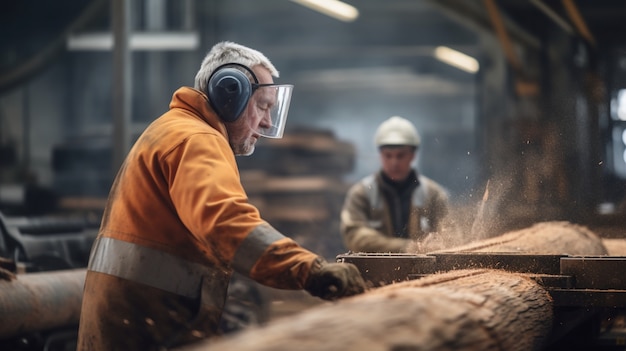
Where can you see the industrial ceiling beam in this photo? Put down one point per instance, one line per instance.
(472, 14)
(33, 65)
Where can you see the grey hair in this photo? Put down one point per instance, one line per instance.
(228, 52)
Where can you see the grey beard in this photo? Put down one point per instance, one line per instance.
(249, 152)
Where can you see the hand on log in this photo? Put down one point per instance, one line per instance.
(6, 275)
(7, 269)
(331, 281)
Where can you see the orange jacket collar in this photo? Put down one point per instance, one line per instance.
(196, 101)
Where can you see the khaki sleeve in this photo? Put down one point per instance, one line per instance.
(357, 234)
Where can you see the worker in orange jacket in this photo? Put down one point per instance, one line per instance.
(178, 221)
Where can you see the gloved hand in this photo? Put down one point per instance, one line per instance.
(6, 275)
(331, 281)
(7, 267)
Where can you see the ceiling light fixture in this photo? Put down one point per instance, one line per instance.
(456, 59)
(103, 41)
(333, 8)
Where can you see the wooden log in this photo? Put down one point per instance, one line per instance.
(40, 301)
(549, 238)
(615, 247)
(459, 310)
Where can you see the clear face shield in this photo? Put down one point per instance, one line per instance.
(273, 100)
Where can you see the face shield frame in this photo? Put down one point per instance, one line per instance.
(278, 111)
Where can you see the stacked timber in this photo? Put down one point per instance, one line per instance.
(296, 182)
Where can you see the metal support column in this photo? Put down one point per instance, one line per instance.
(122, 81)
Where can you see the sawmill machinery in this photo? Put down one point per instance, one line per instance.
(588, 292)
(40, 306)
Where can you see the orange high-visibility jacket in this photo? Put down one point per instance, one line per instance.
(176, 225)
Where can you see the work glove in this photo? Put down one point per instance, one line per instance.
(6, 275)
(7, 267)
(331, 281)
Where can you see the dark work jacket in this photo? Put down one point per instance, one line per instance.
(367, 223)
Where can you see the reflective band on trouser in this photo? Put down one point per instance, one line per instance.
(253, 247)
(147, 266)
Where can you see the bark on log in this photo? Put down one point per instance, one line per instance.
(460, 310)
(548, 238)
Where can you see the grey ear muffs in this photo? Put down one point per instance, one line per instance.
(229, 90)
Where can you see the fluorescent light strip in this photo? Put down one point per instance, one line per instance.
(333, 8)
(457, 59)
(137, 41)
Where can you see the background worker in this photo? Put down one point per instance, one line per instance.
(396, 209)
(178, 222)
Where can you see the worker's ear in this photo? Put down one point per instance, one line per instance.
(229, 90)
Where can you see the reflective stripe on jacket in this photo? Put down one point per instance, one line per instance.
(366, 221)
(176, 225)
(168, 272)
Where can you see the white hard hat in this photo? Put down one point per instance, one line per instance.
(396, 131)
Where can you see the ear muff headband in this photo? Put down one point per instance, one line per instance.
(229, 90)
